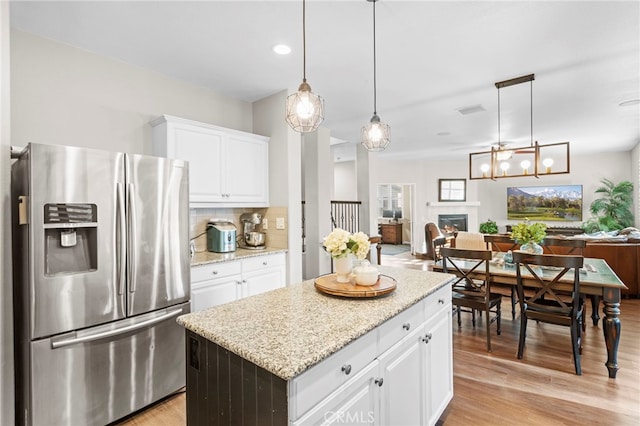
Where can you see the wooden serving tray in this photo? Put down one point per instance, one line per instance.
(328, 284)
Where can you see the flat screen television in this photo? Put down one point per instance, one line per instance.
(545, 203)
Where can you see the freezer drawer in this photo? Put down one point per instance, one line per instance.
(85, 378)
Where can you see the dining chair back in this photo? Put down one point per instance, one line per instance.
(544, 301)
(498, 242)
(555, 245)
(503, 243)
(471, 290)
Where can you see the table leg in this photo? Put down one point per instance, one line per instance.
(611, 328)
(595, 304)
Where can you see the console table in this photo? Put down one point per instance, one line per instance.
(391, 233)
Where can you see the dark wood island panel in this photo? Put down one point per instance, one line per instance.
(225, 389)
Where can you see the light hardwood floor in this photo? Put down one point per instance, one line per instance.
(498, 389)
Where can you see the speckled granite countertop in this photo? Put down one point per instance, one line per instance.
(288, 330)
(205, 257)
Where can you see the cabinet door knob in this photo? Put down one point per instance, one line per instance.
(244, 281)
(378, 381)
(264, 263)
(441, 301)
(406, 326)
(427, 337)
(215, 272)
(346, 369)
(239, 282)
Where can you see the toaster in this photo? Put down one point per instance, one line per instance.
(221, 236)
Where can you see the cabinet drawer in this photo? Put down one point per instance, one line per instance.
(263, 262)
(313, 385)
(215, 270)
(436, 301)
(395, 329)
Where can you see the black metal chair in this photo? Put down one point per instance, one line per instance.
(545, 303)
(474, 294)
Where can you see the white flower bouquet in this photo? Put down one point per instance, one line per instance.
(339, 243)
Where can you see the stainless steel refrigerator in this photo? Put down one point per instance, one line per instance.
(101, 266)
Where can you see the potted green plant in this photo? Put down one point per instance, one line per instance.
(488, 227)
(612, 211)
(529, 236)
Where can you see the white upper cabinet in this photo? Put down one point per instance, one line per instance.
(227, 168)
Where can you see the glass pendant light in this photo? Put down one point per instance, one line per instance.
(376, 134)
(304, 109)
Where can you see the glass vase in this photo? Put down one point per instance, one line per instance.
(532, 247)
(343, 267)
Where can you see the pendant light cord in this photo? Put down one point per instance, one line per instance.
(499, 141)
(531, 109)
(375, 112)
(304, 44)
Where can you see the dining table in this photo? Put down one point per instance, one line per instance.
(597, 279)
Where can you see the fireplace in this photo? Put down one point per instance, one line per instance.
(450, 223)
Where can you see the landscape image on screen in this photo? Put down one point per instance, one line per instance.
(542, 203)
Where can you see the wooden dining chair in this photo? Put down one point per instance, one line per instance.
(498, 243)
(555, 245)
(545, 303)
(473, 294)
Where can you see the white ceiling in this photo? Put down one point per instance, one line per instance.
(433, 58)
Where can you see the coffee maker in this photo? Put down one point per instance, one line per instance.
(252, 239)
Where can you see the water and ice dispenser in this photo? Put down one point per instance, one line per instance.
(71, 238)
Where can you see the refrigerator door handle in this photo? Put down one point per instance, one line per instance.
(105, 334)
(122, 235)
(131, 224)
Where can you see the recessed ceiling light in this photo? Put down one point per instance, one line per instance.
(282, 49)
(443, 133)
(629, 102)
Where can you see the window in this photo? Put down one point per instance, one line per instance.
(390, 201)
(452, 189)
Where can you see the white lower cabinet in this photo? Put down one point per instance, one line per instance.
(263, 273)
(223, 282)
(407, 378)
(355, 402)
(439, 363)
(403, 371)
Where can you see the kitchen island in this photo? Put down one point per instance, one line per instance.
(296, 356)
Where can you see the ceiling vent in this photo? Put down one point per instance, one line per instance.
(471, 109)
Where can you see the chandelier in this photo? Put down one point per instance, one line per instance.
(503, 161)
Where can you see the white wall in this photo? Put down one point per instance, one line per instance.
(285, 173)
(6, 298)
(345, 183)
(635, 179)
(585, 170)
(317, 164)
(67, 96)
